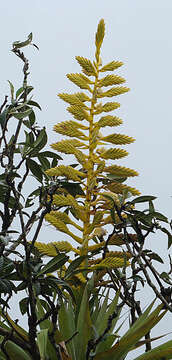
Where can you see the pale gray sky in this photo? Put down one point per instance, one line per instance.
(137, 33)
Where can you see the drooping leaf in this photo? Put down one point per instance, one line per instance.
(50, 154)
(34, 103)
(154, 256)
(39, 143)
(144, 198)
(20, 44)
(74, 265)
(53, 264)
(35, 169)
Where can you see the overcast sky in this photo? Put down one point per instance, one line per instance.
(137, 33)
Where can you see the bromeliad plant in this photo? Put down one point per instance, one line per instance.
(88, 198)
(88, 193)
(71, 314)
(92, 329)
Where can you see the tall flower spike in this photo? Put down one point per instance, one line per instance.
(96, 172)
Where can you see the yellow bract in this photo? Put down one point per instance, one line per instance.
(82, 205)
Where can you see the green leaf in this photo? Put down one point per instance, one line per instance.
(164, 230)
(143, 218)
(21, 115)
(19, 91)
(162, 352)
(104, 323)
(154, 256)
(42, 339)
(35, 169)
(66, 320)
(12, 90)
(16, 352)
(3, 117)
(102, 311)
(136, 332)
(151, 207)
(29, 123)
(73, 188)
(107, 343)
(1, 264)
(74, 265)
(57, 284)
(22, 285)
(25, 91)
(23, 305)
(159, 216)
(46, 324)
(11, 202)
(50, 154)
(34, 103)
(83, 327)
(166, 277)
(29, 201)
(39, 143)
(32, 118)
(20, 44)
(143, 199)
(53, 264)
(44, 162)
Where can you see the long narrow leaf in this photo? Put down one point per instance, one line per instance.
(67, 327)
(42, 339)
(83, 327)
(136, 332)
(103, 325)
(53, 264)
(160, 352)
(102, 312)
(16, 352)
